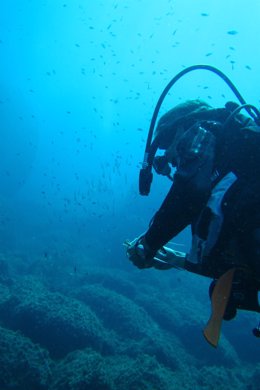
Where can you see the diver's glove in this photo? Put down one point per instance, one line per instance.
(139, 252)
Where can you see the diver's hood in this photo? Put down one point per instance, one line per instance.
(184, 115)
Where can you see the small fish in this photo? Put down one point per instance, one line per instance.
(232, 32)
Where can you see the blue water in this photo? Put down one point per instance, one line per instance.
(78, 85)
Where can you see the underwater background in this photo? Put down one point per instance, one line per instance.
(79, 81)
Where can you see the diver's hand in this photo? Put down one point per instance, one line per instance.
(139, 253)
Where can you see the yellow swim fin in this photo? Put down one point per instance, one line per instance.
(219, 300)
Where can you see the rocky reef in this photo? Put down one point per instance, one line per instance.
(108, 329)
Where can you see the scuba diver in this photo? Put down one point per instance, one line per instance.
(212, 156)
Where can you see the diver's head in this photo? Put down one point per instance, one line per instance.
(179, 119)
(173, 125)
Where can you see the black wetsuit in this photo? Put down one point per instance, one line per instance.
(237, 150)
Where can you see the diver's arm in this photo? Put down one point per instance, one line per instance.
(180, 207)
(188, 194)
